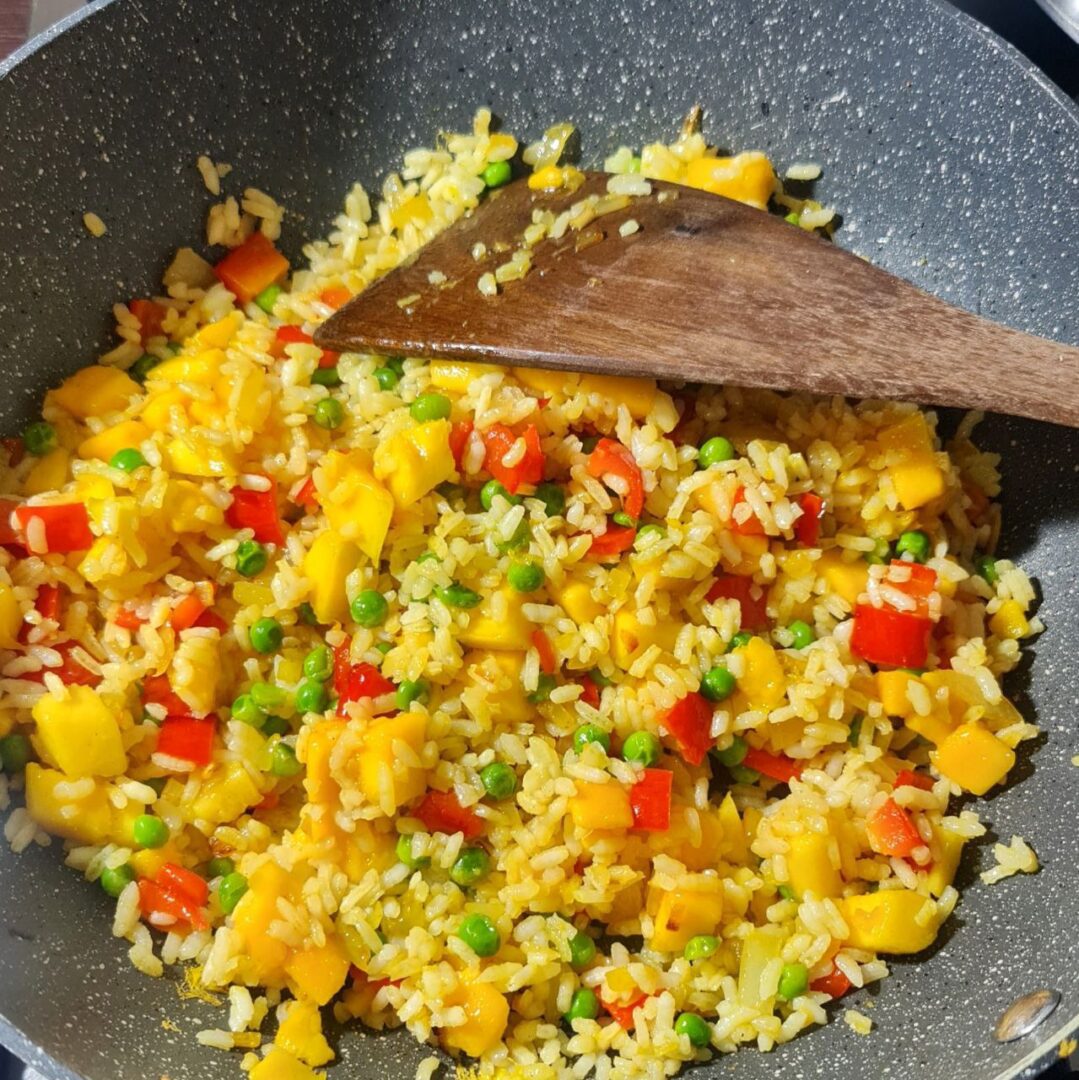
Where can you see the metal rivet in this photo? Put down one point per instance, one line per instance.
(1025, 1014)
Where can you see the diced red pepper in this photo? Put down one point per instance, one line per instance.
(186, 613)
(835, 984)
(127, 619)
(892, 831)
(690, 723)
(256, 510)
(807, 527)
(210, 620)
(736, 587)
(590, 695)
(155, 899)
(66, 527)
(611, 458)
(70, 672)
(269, 801)
(16, 451)
(441, 812)
(306, 495)
(459, 436)
(157, 691)
(548, 660)
(178, 879)
(355, 681)
(293, 335)
(907, 778)
(47, 602)
(892, 638)
(335, 296)
(150, 316)
(624, 1013)
(187, 738)
(499, 440)
(9, 533)
(774, 766)
(922, 582)
(614, 541)
(253, 266)
(650, 800)
(751, 526)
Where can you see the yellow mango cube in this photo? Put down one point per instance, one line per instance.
(457, 375)
(892, 690)
(95, 391)
(79, 733)
(935, 727)
(330, 559)
(508, 702)
(300, 1033)
(279, 1064)
(217, 335)
(407, 782)
(118, 437)
(148, 862)
(265, 956)
(601, 806)
(10, 617)
(1008, 621)
(734, 844)
(679, 841)
(917, 481)
(575, 598)
(357, 506)
(486, 1014)
(889, 921)
(415, 461)
(974, 758)
(507, 630)
(87, 820)
(638, 395)
(200, 369)
(414, 211)
(314, 751)
(193, 456)
(809, 867)
(187, 509)
(320, 971)
(683, 914)
(845, 579)
(942, 873)
(763, 684)
(226, 791)
(157, 411)
(630, 637)
(48, 473)
(546, 383)
(910, 436)
(760, 947)
(747, 177)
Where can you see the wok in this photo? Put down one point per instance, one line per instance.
(954, 164)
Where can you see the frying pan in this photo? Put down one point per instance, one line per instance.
(954, 164)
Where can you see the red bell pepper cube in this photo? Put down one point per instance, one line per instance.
(623, 1014)
(293, 335)
(590, 695)
(807, 527)
(354, 681)
(157, 691)
(441, 812)
(335, 296)
(460, 433)
(210, 620)
(186, 612)
(922, 582)
(16, 451)
(187, 738)
(169, 907)
(56, 528)
(150, 316)
(70, 672)
(614, 541)
(10, 533)
(548, 660)
(269, 801)
(612, 459)
(892, 831)
(499, 440)
(47, 602)
(178, 879)
(892, 638)
(253, 266)
(650, 800)
(835, 984)
(751, 526)
(306, 495)
(906, 778)
(127, 619)
(736, 587)
(690, 723)
(775, 766)
(256, 510)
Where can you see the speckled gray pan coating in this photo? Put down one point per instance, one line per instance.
(953, 163)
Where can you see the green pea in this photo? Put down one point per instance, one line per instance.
(855, 729)
(312, 697)
(480, 934)
(15, 753)
(793, 981)
(230, 891)
(599, 678)
(634, 165)
(114, 879)
(881, 553)
(329, 377)
(251, 558)
(329, 413)
(318, 663)
(802, 634)
(695, 1027)
(496, 174)
(266, 635)
(386, 378)
(552, 497)
(642, 747)
(39, 438)
(499, 780)
(283, 760)
(986, 567)
(734, 754)
(743, 774)
(429, 407)
(275, 725)
(409, 691)
(584, 1005)
(470, 867)
(521, 535)
(647, 535)
(793, 218)
(268, 297)
(623, 519)
(582, 950)
(914, 543)
(544, 685)
(149, 831)
(369, 608)
(267, 696)
(714, 451)
(428, 556)
(525, 577)
(127, 460)
(493, 488)
(457, 596)
(396, 363)
(403, 850)
(717, 684)
(786, 892)
(246, 711)
(219, 867)
(307, 614)
(143, 366)
(701, 947)
(591, 733)
(740, 640)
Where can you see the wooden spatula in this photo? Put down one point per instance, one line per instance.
(703, 289)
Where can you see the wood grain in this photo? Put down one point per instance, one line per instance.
(709, 291)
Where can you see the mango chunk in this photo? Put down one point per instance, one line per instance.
(300, 1033)
(357, 506)
(509, 702)
(457, 375)
(734, 844)
(917, 481)
(763, 684)
(201, 369)
(264, 955)
(118, 437)
(48, 473)
(845, 579)
(187, 509)
(319, 972)
(95, 391)
(974, 758)
(415, 461)
(158, 409)
(630, 637)
(193, 456)
(1008, 621)
(279, 1064)
(330, 559)
(888, 921)
(546, 382)
(759, 948)
(225, 793)
(486, 1015)
(747, 177)
(638, 395)
(79, 733)
(381, 769)
(507, 630)
(575, 598)
(10, 617)
(683, 914)
(942, 873)
(87, 820)
(601, 806)
(892, 690)
(809, 867)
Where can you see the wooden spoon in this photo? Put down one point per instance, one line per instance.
(705, 290)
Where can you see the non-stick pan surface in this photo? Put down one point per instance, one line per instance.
(953, 163)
